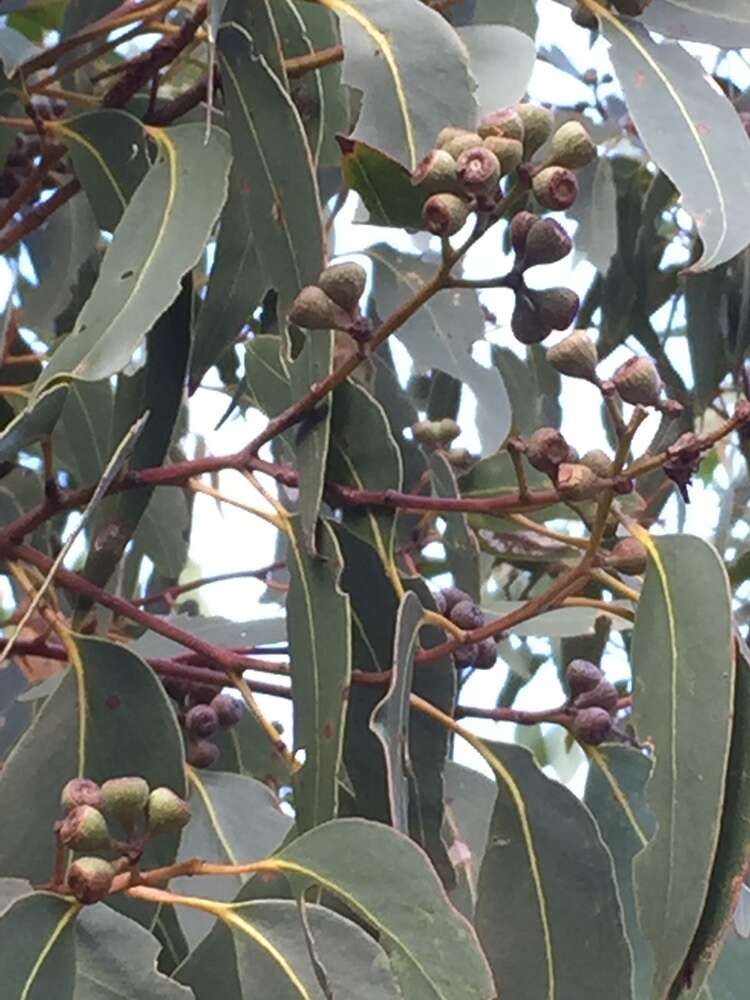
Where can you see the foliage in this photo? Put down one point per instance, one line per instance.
(446, 560)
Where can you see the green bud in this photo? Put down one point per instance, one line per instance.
(448, 134)
(125, 800)
(505, 124)
(167, 812)
(445, 214)
(436, 432)
(436, 173)
(84, 829)
(90, 879)
(81, 792)
(344, 283)
(478, 171)
(546, 243)
(509, 152)
(555, 188)
(537, 126)
(572, 146)
(460, 143)
(575, 356)
(637, 382)
(314, 310)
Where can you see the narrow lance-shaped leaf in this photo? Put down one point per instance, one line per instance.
(160, 236)
(683, 667)
(544, 865)
(691, 130)
(390, 717)
(319, 624)
(389, 55)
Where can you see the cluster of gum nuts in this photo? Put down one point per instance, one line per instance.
(202, 713)
(138, 813)
(593, 702)
(458, 606)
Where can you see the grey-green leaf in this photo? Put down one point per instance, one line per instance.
(37, 951)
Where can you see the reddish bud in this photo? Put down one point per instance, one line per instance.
(228, 710)
(201, 753)
(629, 556)
(467, 615)
(556, 307)
(84, 829)
(314, 310)
(509, 152)
(465, 656)
(519, 230)
(436, 173)
(546, 243)
(478, 170)
(555, 187)
(537, 126)
(592, 725)
(546, 450)
(525, 322)
(576, 481)
(575, 356)
(582, 676)
(90, 879)
(603, 695)
(445, 214)
(201, 721)
(81, 792)
(486, 654)
(505, 124)
(637, 382)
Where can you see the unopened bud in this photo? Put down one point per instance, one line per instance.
(125, 799)
(575, 356)
(592, 725)
(459, 458)
(572, 146)
(555, 187)
(201, 753)
(314, 310)
(556, 307)
(602, 695)
(344, 283)
(637, 382)
(546, 243)
(84, 829)
(599, 462)
(167, 812)
(445, 214)
(81, 792)
(629, 556)
(228, 710)
(201, 721)
(478, 170)
(582, 676)
(520, 228)
(509, 152)
(505, 124)
(90, 879)
(537, 126)
(453, 596)
(486, 654)
(546, 450)
(465, 656)
(436, 432)
(576, 481)
(436, 173)
(461, 142)
(467, 615)
(448, 134)
(525, 322)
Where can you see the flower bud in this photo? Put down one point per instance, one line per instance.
(465, 656)
(436, 432)
(445, 214)
(314, 310)
(201, 753)
(592, 725)
(602, 695)
(546, 243)
(537, 126)
(436, 173)
(344, 283)
(486, 654)
(453, 596)
(467, 615)
(90, 879)
(81, 792)
(572, 146)
(519, 230)
(629, 556)
(461, 142)
(505, 124)
(509, 152)
(448, 134)
(555, 187)
(167, 812)
(441, 605)
(599, 462)
(575, 356)
(546, 450)
(459, 458)
(556, 307)
(125, 799)
(84, 829)
(582, 676)
(201, 721)
(525, 322)
(637, 382)
(228, 710)
(631, 8)
(576, 481)
(478, 170)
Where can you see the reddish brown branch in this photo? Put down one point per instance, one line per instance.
(37, 215)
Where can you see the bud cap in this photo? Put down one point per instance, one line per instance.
(520, 228)
(478, 170)
(547, 449)
(604, 695)
(81, 792)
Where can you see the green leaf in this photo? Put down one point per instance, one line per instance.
(257, 20)
(727, 877)
(501, 59)
(37, 950)
(110, 155)
(729, 978)
(15, 49)
(363, 454)
(311, 441)
(519, 14)
(213, 629)
(164, 531)
(383, 184)
(683, 666)
(388, 881)
(160, 236)
(440, 335)
(723, 24)
(234, 820)
(544, 864)
(615, 794)
(82, 438)
(461, 547)
(263, 952)
(33, 423)
(595, 210)
(469, 800)
(692, 132)
(116, 958)
(319, 623)
(389, 52)
(390, 717)
(705, 314)
(271, 151)
(108, 717)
